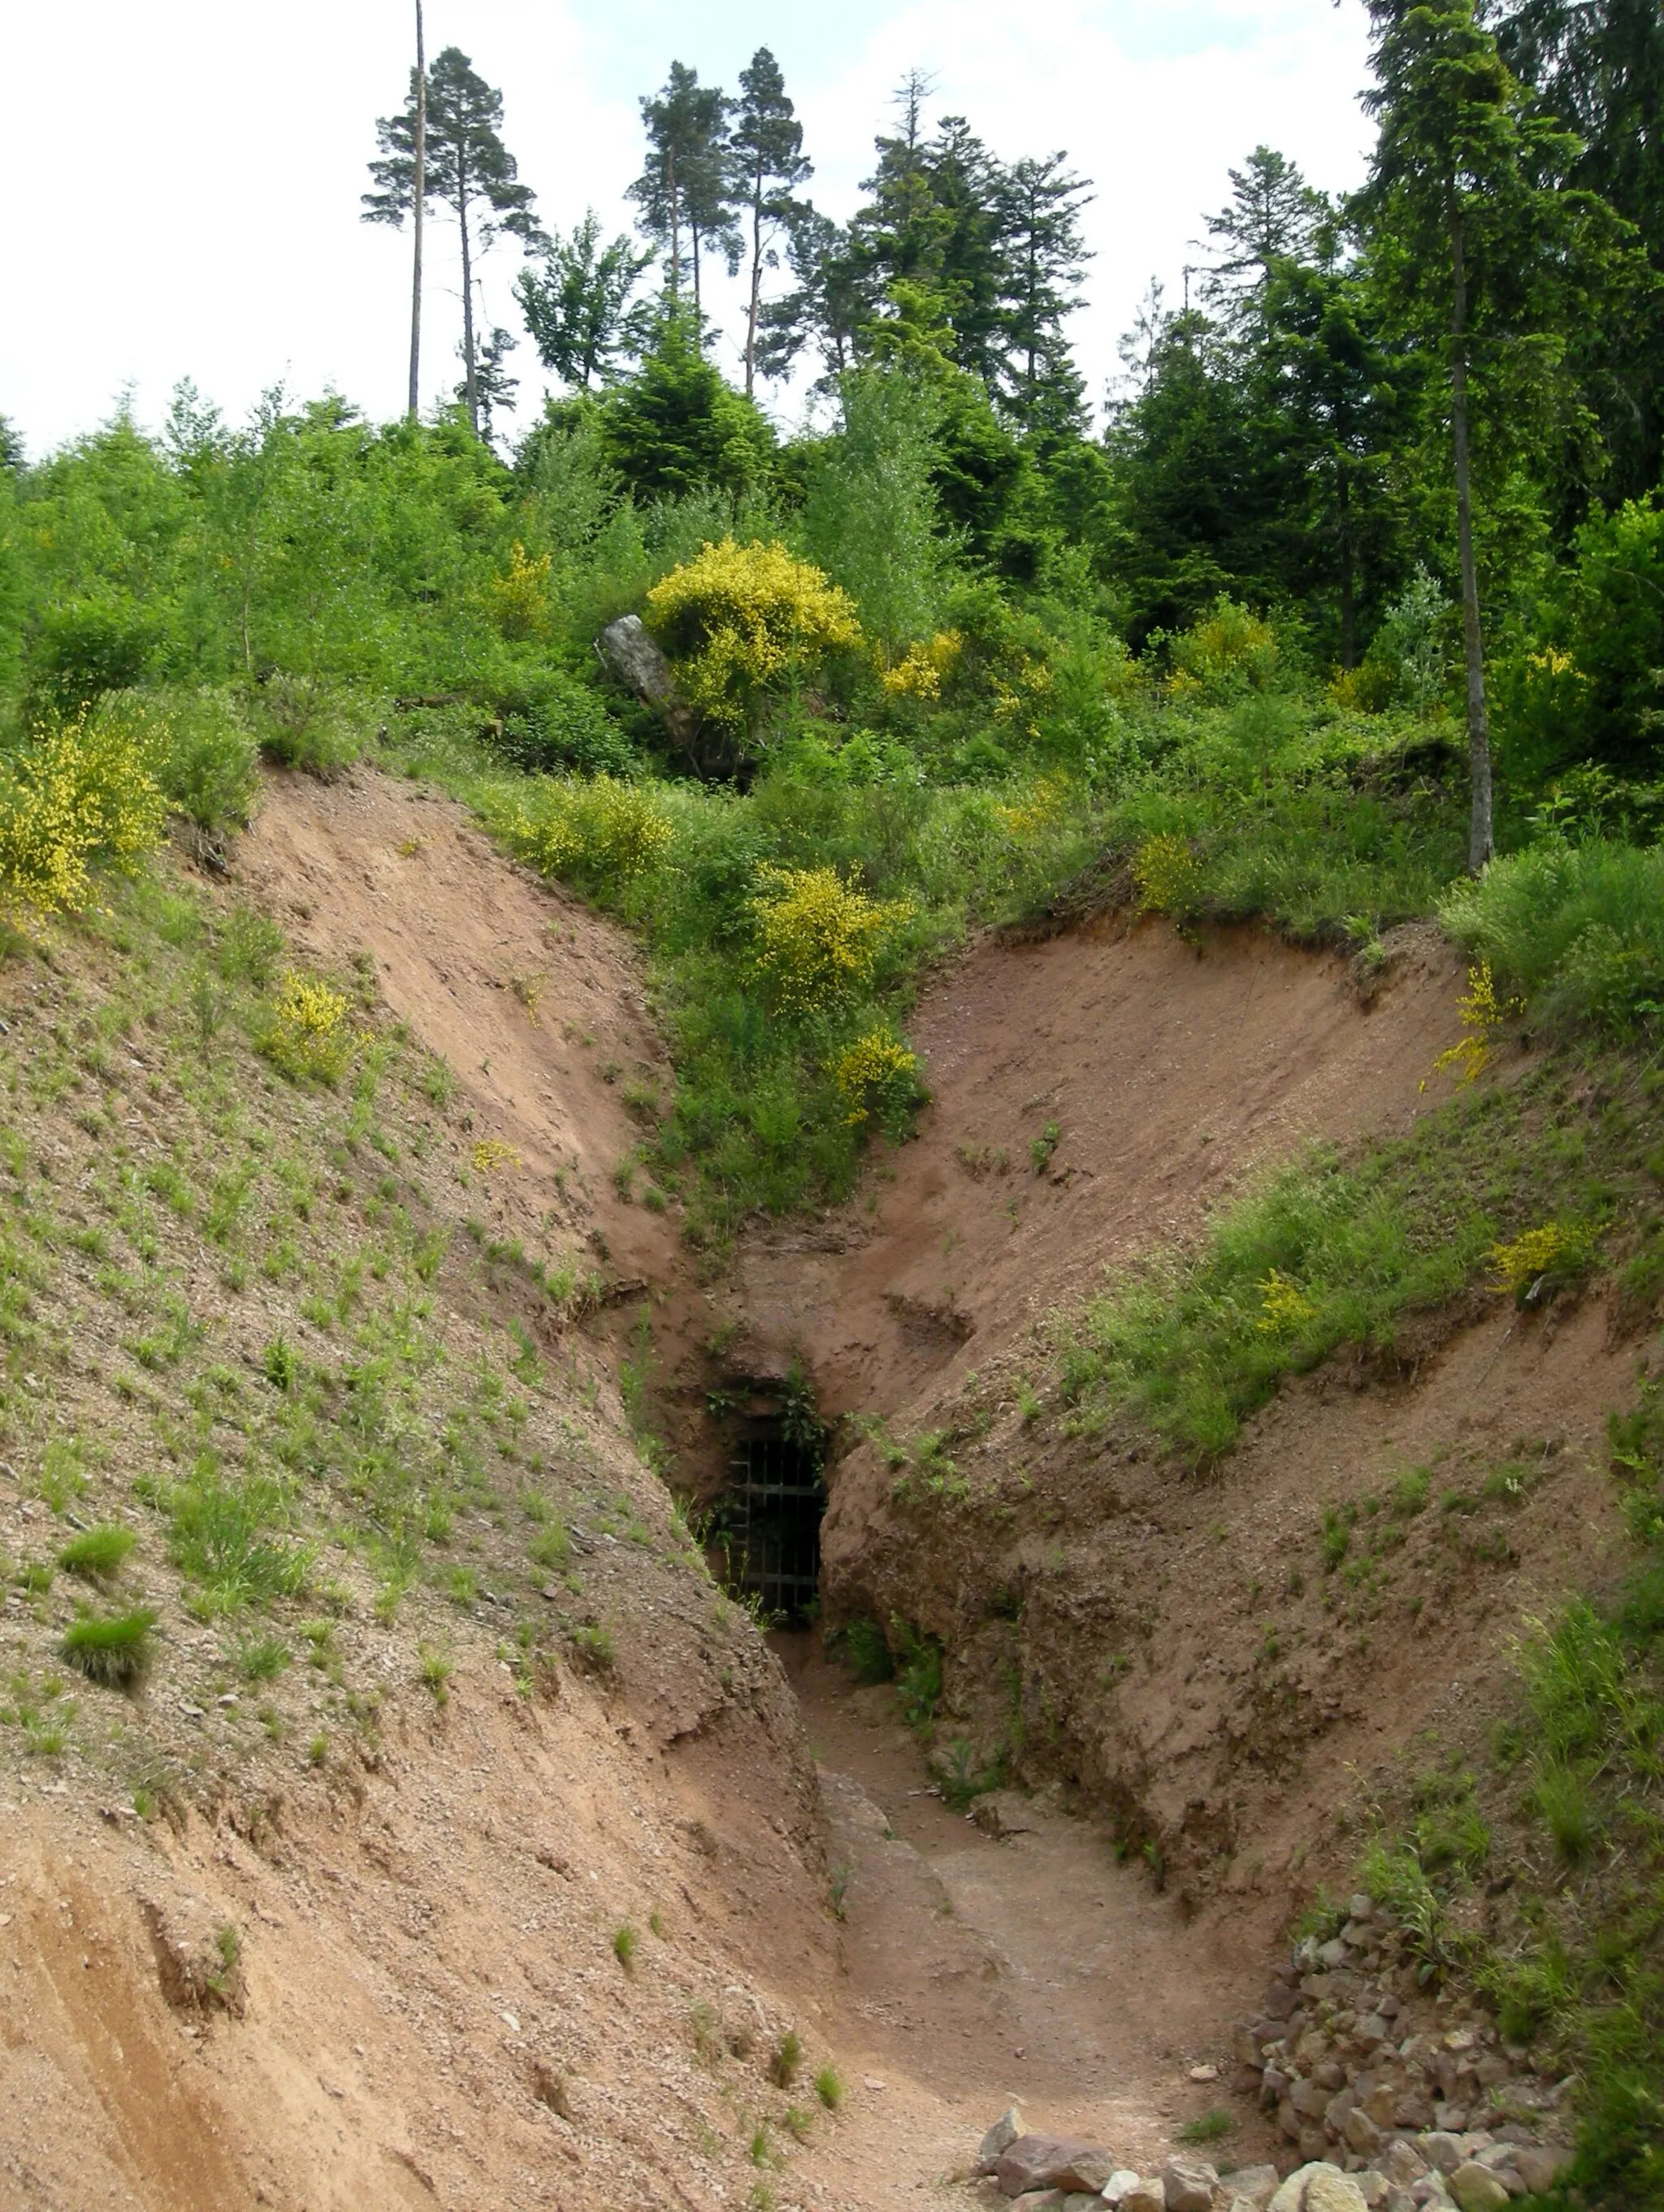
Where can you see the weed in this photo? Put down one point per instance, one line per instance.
(1042, 1148)
(99, 1555)
(797, 2123)
(625, 1943)
(595, 1649)
(113, 1648)
(262, 1658)
(280, 1364)
(838, 1887)
(317, 1749)
(1212, 2127)
(435, 1671)
(786, 2059)
(829, 2088)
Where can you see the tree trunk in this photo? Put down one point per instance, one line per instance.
(756, 282)
(1479, 844)
(675, 229)
(1348, 582)
(418, 194)
(467, 300)
(699, 318)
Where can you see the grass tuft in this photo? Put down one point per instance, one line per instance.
(113, 1648)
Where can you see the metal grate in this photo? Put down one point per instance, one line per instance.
(771, 1522)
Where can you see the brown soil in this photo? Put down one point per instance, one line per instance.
(428, 2009)
(1164, 1072)
(534, 1001)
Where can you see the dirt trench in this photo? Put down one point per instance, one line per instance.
(420, 1942)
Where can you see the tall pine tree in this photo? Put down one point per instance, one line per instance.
(683, 192)
(766, 149)
(466, 167)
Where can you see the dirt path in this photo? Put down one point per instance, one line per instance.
(984, 1969)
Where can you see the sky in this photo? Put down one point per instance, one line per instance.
(192, 171)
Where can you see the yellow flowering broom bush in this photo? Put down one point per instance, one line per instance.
(308, 1038)
(738, 618)
(817, 937)
(877, 1078)
(77, 792)
(601, 834)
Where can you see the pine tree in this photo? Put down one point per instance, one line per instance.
(830, 303)
(578, 308)
(467, 168)
(684, 188)
(1274, 217)
(1487, 256)
(766, 149)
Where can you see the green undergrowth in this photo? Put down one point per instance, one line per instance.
(1285, 827)
(1532, 1865)
(278, 1370)
(1339, 1250)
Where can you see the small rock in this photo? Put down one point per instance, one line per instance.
(1204, 2073)
(1360, 1908)
(1258, 2185)
(1430, 2190)
(1043, 2200)
(1036, 2161)
(1189, 2183)
(1000, 2138)
(1539, 2166)
(1403, 2164)
(1146, 2196)
(1361, 2132)
(1318, 2187)
(1374, 2188)
(1331, 1955)
(1119, 2183)
(1440, 2149)
(1081, 2200)
(1476, 2189)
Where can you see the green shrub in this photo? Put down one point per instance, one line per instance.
(828, 2087)
(207, 770)
(1578, 930)
(99, 1555)
(113, 1648)
(869, 1652)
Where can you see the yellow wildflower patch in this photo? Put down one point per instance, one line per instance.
(873, 1073)
(1558, 1248)
(519, 602)
(602, 830)
(1166, 876)
(818, 936)
(307, 1036)
(926, 664)
(1483, 1017)
(490, 1153)
(78, 792)
(741, 617)
(1284, 1305)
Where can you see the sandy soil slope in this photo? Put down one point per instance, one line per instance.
(1151, 1074)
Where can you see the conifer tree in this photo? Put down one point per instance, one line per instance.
(1045, 257)
(766, 147)
(466, 167)
(1487, 256)
(683, 192)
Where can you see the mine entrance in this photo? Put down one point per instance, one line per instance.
(768, 1524)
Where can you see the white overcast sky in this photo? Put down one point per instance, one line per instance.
(181, 178)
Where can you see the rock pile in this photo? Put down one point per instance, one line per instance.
(1367, 2072)
(1393, 2100)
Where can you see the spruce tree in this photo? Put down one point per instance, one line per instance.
(466, 167)
(766, 149)
(1045, 256)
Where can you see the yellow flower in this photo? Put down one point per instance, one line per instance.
(818, 936)
(873, 1072)
(601, 828)
(1166, 876)
(81, 791)
(925, 666)
(519, 602)
(1483, 1016)
(742, 617)
(491, 1153)
(1284, 1304)
(307, 1035)
(1557, 1248)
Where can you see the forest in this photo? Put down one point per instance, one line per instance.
(1352, 612)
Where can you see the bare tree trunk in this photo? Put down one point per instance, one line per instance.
(675, 229)
(1479, 841)
(418, 194)
(699, 316)
(1348, 583)
(756, 282)
(472, 387)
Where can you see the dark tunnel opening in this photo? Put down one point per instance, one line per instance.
(767, 1526)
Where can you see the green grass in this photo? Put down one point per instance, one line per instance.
(1212, 2127)
(113, 1648)
(1577, 930)
(786, 2059)
(1331, 1251)
(626, 1945)
(99, 1555)
(828, 2087)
